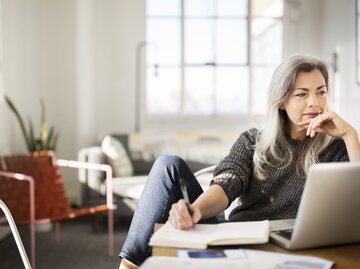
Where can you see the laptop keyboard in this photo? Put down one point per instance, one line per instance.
(284, 224)
(285, 233)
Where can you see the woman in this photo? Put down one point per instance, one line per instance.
(265, 168)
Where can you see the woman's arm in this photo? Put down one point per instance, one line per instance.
(332, 124)
(231, 176)
(211, 203)
(352, 145)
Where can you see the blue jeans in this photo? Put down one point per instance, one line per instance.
(162, 189)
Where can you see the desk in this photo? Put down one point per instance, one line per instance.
(345, 257)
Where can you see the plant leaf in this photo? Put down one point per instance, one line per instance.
(20, 120)
(43, 135)
(50, 137)
(31, 136)
(43, 111)
(54, 142)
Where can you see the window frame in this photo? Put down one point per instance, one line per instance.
(195, 117)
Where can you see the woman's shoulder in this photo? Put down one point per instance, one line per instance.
(249, 136)
(250, 133)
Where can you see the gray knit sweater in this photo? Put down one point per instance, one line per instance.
(278, 196)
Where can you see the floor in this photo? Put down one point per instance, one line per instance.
(79, 246)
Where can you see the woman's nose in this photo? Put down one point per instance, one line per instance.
(312, 101)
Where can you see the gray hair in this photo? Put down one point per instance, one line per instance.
(272, 147)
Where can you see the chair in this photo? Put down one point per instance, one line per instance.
(14, 231)
(51, 203)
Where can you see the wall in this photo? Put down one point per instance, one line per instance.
(70, 54)
(20, 75)
(339, 18)
(79, 55)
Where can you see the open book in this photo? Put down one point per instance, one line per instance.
(203, 235)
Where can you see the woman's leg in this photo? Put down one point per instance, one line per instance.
(162, 189)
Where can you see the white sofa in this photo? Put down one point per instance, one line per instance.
(128, 188)
(199, 149)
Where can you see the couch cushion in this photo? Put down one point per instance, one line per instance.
(117, 157)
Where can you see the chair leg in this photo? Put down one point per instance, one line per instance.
(32, 244)
(111, 232)
(57, 231)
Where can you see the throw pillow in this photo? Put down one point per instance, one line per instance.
(117, 157)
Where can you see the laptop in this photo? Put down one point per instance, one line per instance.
(329, 211)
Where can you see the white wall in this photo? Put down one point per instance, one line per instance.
(339, 18)
(303, 28)
(20, 73)
(80, 57)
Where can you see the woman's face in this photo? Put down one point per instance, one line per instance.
(307, 100)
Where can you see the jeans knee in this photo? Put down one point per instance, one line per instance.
(167, 166)
(169, 160)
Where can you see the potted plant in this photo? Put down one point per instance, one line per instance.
(47, 139)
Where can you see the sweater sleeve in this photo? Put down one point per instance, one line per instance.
(235, 170)
(336, 152)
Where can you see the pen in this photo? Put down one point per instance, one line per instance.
(185, 195)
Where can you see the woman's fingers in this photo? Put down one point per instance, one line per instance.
(180, 217)
(323, 123)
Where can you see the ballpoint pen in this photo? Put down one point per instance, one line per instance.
(185, 195)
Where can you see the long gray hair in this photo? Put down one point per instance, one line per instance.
(273, 149)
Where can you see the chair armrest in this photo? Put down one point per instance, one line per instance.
(94, 166)
(208, 169)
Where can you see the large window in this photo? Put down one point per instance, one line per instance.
(210, 57)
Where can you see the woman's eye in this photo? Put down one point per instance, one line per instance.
(300, 94)
(322, 93)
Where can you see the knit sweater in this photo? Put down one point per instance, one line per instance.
(277, 197)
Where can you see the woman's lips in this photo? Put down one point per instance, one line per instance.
(312, 114)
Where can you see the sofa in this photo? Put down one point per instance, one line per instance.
(131, 157)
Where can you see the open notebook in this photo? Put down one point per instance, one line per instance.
(203, 235)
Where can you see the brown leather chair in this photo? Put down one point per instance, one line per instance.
(50, 202)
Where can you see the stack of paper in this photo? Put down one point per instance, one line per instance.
(252, 260)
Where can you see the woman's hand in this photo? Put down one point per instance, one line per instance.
(180, 218)
(329, 123)
(332, 124)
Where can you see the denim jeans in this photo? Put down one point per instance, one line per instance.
(162, 189)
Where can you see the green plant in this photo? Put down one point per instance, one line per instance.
(48, 137)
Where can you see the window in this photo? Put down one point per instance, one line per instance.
(211, 57)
